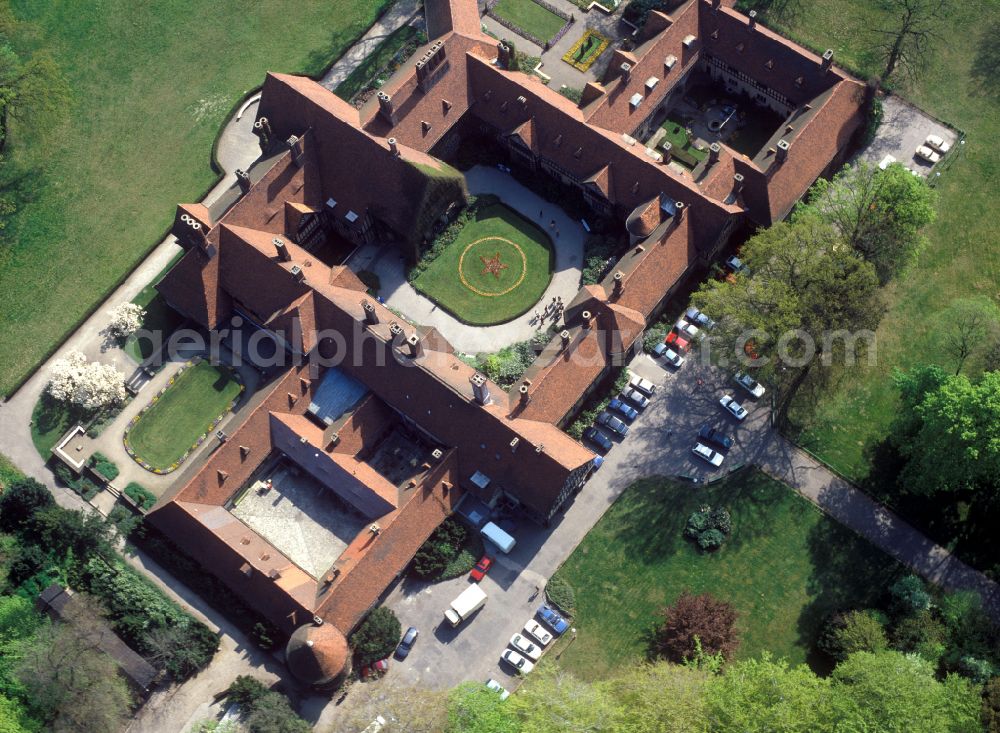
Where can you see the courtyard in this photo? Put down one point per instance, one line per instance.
(304, 520)
(495, 270)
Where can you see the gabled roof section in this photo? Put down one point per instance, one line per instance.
(601, 180)
(192, 287)
(525, 132)
(443, 16)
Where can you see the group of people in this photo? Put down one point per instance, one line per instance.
(553, 309)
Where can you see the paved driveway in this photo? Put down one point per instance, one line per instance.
(903, 128)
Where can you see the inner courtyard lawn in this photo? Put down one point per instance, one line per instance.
(531, 17)
(184, 412)
(151, 83)
(962, 257)
(784, 566)
(471, 282)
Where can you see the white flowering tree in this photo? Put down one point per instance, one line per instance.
(91, 385)
(126, 319)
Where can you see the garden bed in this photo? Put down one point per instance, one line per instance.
(582, 55)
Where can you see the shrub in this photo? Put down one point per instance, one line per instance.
(598, 251)
(561, 594)
(371, 281)
(104, 466)
(991, 706)
(693, 620)
(654, 335)
(507, 366)
(140, 495)
(436, 558)
(263, 635)
(909, 596)
(922, 634)
(245, 691)
(854, 631)
(708, 527)
(20, 500)
(377, 636)
(272, 713)
(711, 539)
(571, 93)
(977, 670)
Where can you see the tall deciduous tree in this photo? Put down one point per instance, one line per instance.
(472, 708)
(968, 326)
(808, 296)
(20, 501)
(703, 617)
(658, 698)
(879, 212)
(905, 41)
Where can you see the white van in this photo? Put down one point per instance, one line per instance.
(498, 537)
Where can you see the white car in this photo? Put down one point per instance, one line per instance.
(750, 384)
(537, 632)
(699, 319)
(643, 385)
(492, 684)
(886, 162)
(936, 142)
(927, 154)
(733, 407)
(707, 454)
(525, 647)
(635, 396)
(687, 329)
(669, 355)
(516, 661)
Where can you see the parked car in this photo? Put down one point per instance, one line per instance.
(707, 454)
(733, 407)
(526, 647)
(623, 409)
(735, 264)
(409, 639)
(635, 396)
(516, 661)
(551, 617)
(715, 437)
(537, 632)
(482, 567)
(886, 162)
(677, 342)
(684, 328)
(598, 438)
(927, 154)
(643, 385)
(612, 423)
(669, 355)
(699, 319)
(492, 684)
(936, 142)
(750, 384)
(381, 666)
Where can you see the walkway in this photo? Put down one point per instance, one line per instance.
(401, 296)
(400, 14)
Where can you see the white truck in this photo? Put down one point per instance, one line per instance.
(468, 602)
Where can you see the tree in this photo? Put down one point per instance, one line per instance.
(991, 706)
(92, 386)
(879, 212)
(658, 698)
(556, 700)
(377, 636)
(702, 617)
(909, 596)
(907, 42)
(126, 319)
(423, 709)
(273, 713)
(71, 683)
(473, 708)
(807, 298)
(967, 326)
(953, 445)
(891, 691)
(854, 631)
(20, 501)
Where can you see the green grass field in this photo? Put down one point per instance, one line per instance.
(8, 471)
(532, 17)
(483, 298)
(152, 83)
(963, 254)
(183, 413)
(680, 145)
(784, 567)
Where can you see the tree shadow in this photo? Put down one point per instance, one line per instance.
(985, 71)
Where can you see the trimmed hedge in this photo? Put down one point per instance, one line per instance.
(561, 594)
(104, 466)
(140, 495)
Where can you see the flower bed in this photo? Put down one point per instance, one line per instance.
(585, 52)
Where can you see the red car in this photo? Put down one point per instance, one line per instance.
(482, 567)
(677, 342)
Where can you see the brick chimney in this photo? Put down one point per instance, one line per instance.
(243, 178)
(523, 391)
(386, 108)
(371, 316)
(393, 146)
(619, 282)
(679, 207)
(262, 129)
(480, 388)
(503, 55)
(416, 347)
(752, 19)
(282, 248)
(626, 71)
(713, 153)
(782, 151)
(737, 182)
(827, 60)
(666, 149)
(296, 145)
(716, 4)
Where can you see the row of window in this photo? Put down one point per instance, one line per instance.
(747, 79)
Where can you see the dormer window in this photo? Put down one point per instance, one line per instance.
(635, 101)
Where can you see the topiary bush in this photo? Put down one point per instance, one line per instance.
(708, 527)
(377, 636)
(140, 495)
(561, 594)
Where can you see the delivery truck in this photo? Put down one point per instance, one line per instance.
(504, 542)
(468, 602)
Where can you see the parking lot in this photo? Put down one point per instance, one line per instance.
(659, 442)
(903, 129)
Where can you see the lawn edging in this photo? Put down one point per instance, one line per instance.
(201, 439)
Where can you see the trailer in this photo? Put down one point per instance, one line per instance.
(468, 602)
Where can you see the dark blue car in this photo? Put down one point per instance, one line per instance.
(627, 411)
(553, 620)
(713, 436)
(598, 438)
(409, 639)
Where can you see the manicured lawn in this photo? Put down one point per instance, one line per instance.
(680, 145)
(963, 253)
(530, 16)
(478, 296)
(151, 84)
(378, 60)
(784, 567)
(184, 412)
